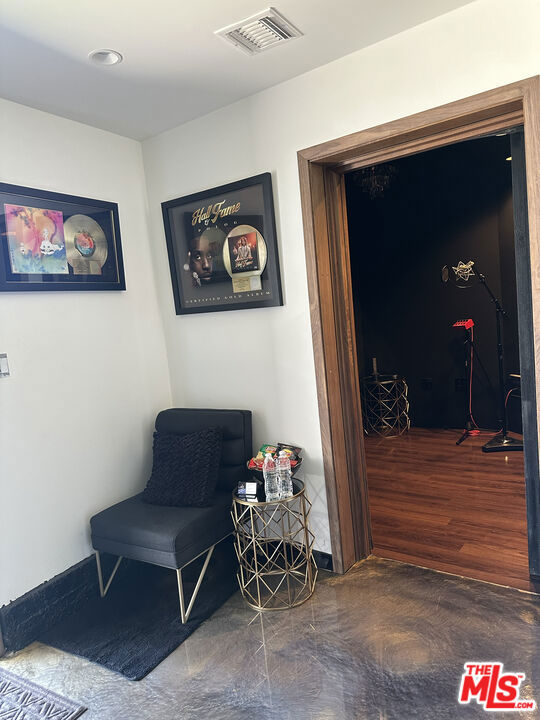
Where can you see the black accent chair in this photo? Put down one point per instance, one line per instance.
(173, 537)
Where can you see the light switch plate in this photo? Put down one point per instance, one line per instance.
(4, 366)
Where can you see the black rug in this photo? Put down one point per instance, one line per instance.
(22, 699)
(137, 624)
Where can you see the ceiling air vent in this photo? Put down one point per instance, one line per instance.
(260, 32)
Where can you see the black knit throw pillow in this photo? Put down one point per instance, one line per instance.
(185, 469)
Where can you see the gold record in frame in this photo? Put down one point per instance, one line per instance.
(86, 245)
(249, 279)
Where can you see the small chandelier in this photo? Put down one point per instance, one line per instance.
(375, 179)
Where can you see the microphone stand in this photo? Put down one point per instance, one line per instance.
(469, 424)
(502, 442)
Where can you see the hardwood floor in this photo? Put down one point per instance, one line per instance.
(448, 507)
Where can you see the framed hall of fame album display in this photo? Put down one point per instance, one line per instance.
(52, 241)
(222, 248)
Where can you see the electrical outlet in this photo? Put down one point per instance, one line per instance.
(461, 384)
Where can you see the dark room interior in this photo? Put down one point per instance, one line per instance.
(407, 219)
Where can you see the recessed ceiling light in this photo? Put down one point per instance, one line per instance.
(105, 57)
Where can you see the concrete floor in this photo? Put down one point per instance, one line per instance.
(387, 641)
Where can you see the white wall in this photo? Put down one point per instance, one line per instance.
(478, 47)
(88, 369)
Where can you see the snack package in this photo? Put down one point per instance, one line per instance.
(272, 449)
(292, 450)
(259, 458)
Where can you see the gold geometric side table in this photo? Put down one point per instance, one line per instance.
(274, 546)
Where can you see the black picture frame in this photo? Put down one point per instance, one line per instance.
(210, 272)
(51, 242)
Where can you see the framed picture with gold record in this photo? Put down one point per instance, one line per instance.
(222, 248)
(51, 241)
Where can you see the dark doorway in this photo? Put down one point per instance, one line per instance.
(432, 502)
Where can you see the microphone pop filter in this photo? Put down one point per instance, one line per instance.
(461, 275)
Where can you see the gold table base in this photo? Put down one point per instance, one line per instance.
(274, 546)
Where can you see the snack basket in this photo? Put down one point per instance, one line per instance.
(258, 474)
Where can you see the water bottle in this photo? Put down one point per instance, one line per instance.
(284, 475)
(271, 485)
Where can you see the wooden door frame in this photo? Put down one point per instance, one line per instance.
(322, 184)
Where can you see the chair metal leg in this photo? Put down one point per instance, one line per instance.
(102, 590)
(184, 614)
(181, 595)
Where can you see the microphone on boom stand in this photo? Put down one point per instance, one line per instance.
(464, 275)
